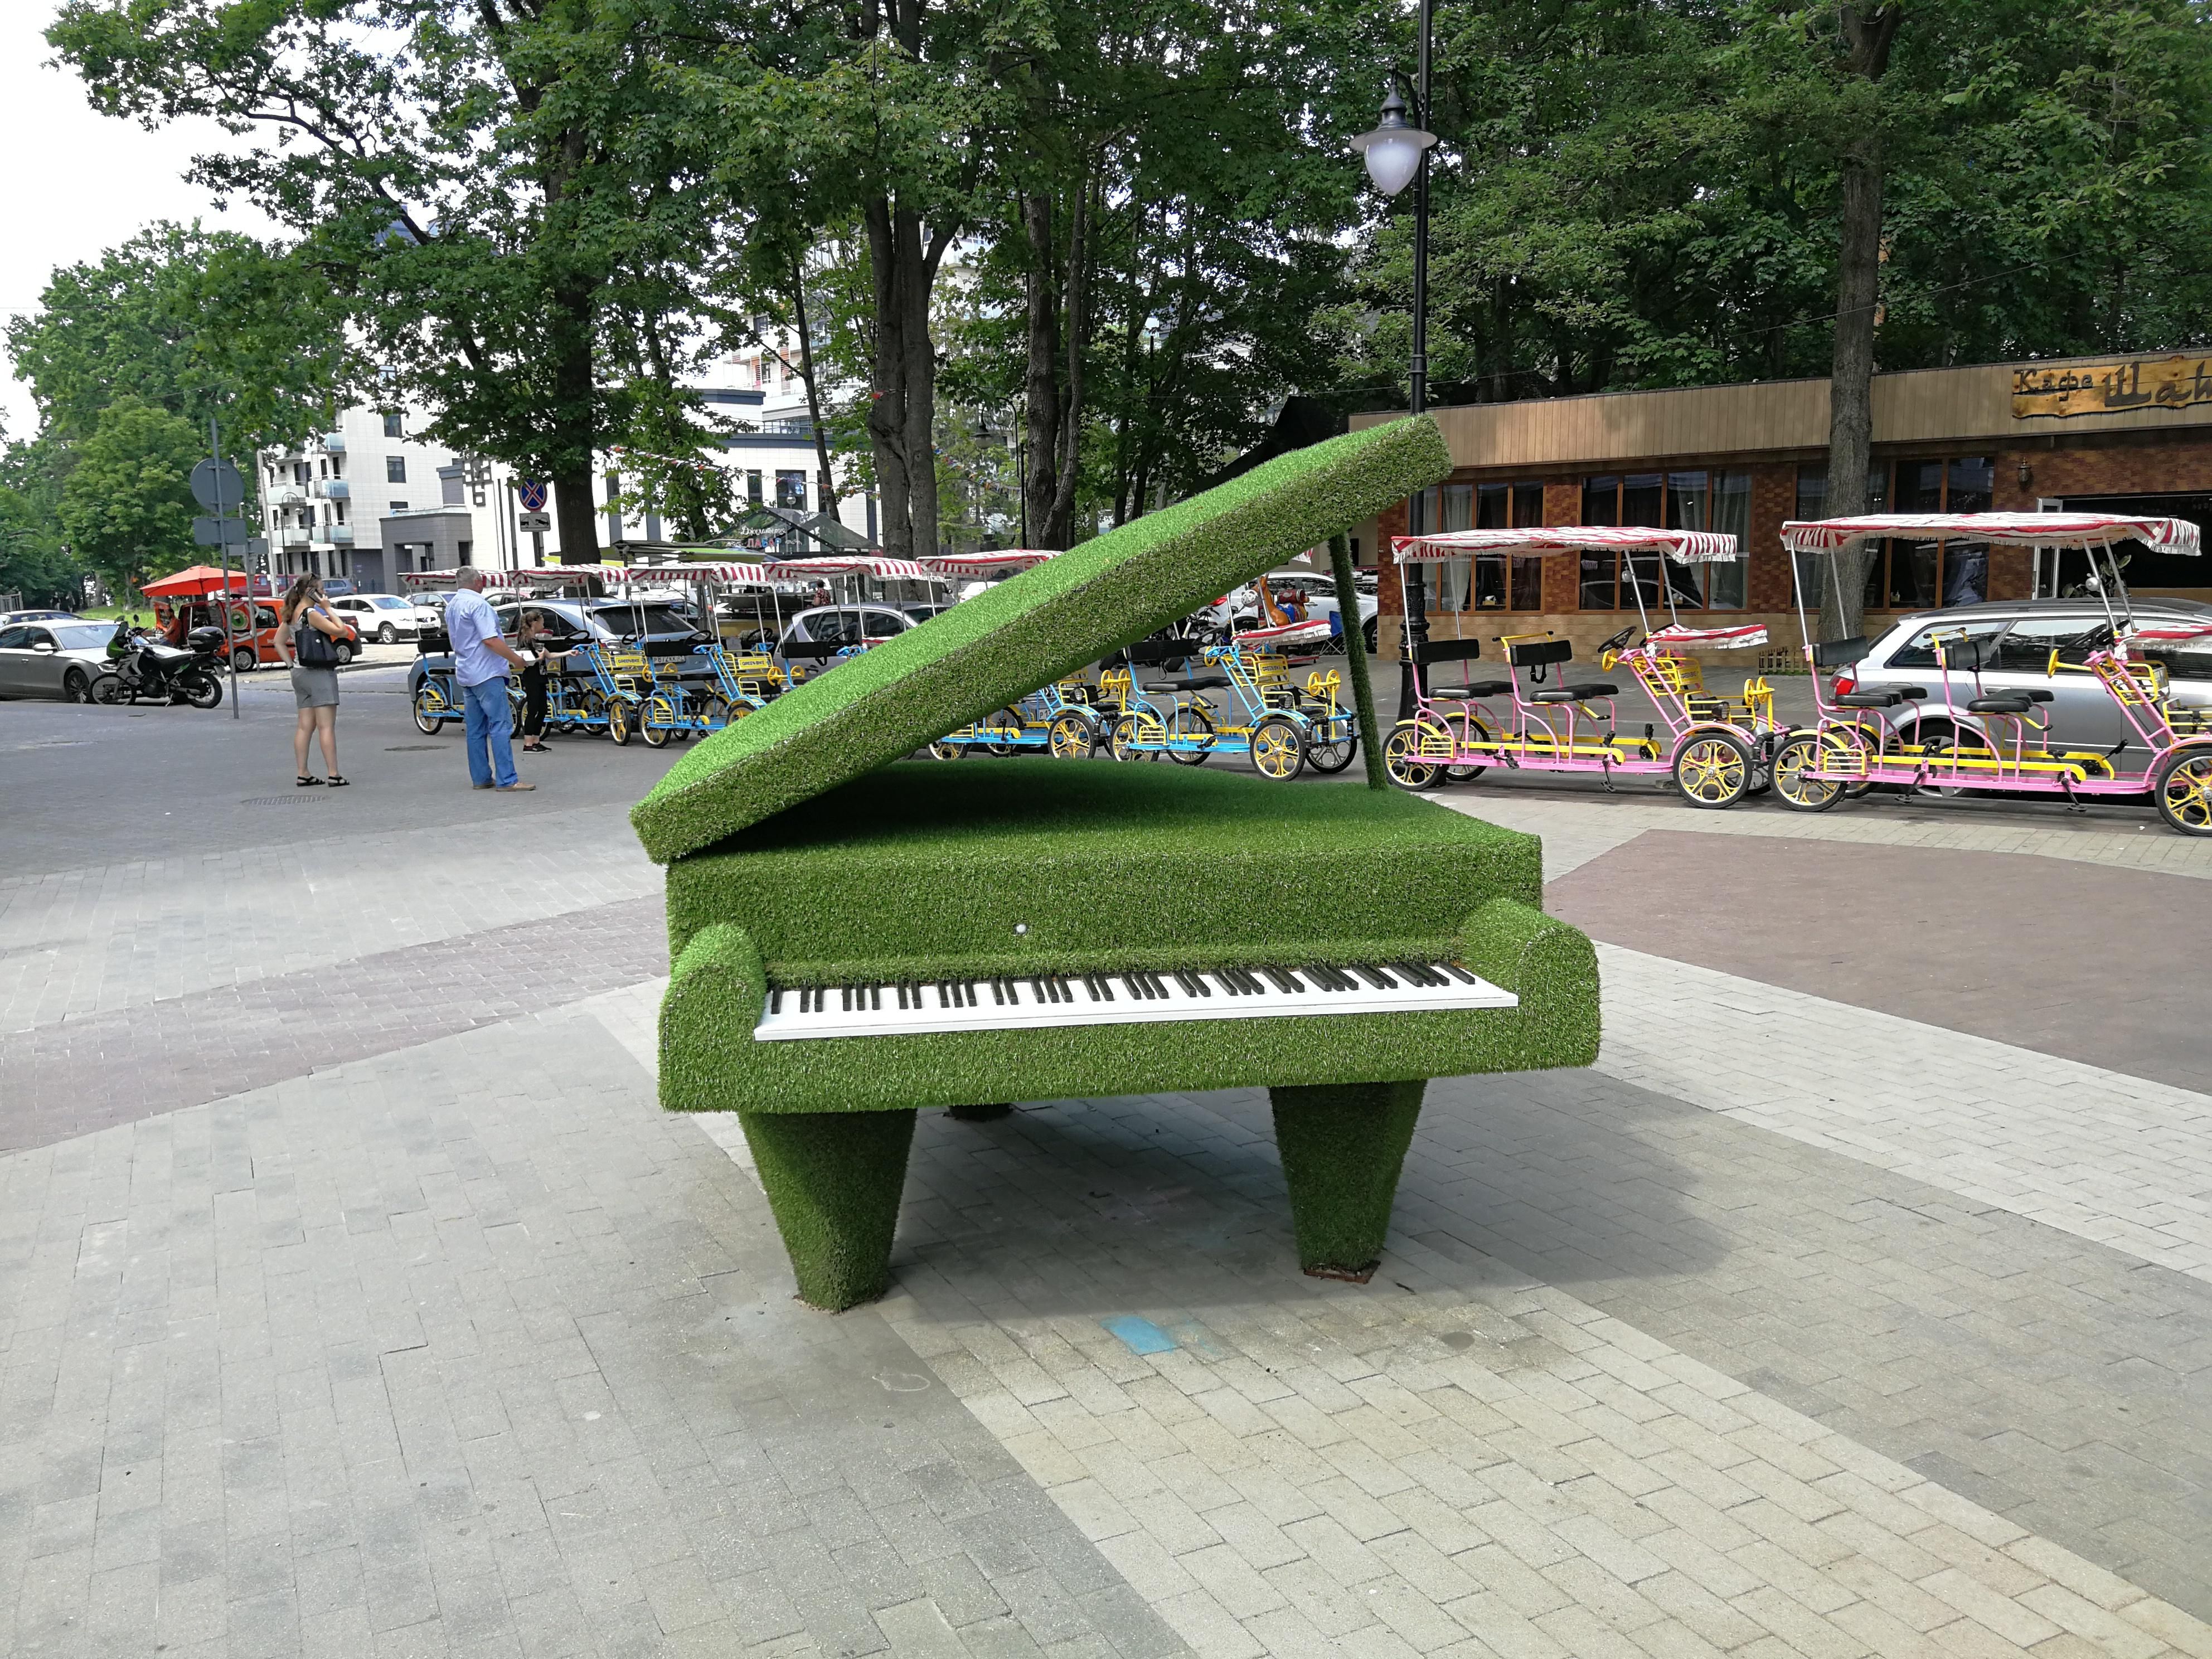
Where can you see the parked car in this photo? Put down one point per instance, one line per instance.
(53, 657)
(253, 629)
(8, 618)
(846, 624)
(2082, 714)
(385, 617)
(429, 611)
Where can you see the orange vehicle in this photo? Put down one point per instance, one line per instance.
(253, 620)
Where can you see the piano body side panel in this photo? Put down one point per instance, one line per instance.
(709, 1061)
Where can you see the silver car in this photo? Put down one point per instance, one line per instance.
(53, 659)
(2026, 632)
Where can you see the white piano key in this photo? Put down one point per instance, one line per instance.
(1132, 999)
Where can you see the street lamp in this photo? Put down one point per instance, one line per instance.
(1397, 154)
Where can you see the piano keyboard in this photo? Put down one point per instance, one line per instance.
(1047, 1000)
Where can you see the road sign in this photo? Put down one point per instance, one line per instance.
(216, 485)
(535, 520)
(531, 493)
(221, 533)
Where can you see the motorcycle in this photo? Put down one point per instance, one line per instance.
(140, 666)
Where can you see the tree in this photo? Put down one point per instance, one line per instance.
(486, 186)
(34, 561)
(126, 505)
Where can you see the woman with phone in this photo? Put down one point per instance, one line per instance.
(304, 635)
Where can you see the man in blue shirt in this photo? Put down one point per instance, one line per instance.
(481, 659)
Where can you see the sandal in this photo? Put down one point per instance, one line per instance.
(337, 783)
(306, 782)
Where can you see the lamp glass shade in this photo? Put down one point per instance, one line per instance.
(1393, 154)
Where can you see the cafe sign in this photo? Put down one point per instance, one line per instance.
(2170, 383)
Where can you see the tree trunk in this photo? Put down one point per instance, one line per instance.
(828, 487)
(1041, 397)
(1078, 334)
(903, 410)
(1850, 386)
(887, 399)
(1866, 36)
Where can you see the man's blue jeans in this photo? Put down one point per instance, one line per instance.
(488, 721)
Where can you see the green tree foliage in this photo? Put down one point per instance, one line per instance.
(126, 505)
(34, 560)
(497, 192)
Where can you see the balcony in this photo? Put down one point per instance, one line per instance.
(295, 535)
(331, 490)
(333, 534)
(333, 443)
(286, 494)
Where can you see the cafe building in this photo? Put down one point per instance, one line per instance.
(2120, 434)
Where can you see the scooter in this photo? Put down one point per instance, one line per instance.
(141, 666)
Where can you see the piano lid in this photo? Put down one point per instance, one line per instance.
(1030, 630)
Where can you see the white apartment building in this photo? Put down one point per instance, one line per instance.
(371, 499)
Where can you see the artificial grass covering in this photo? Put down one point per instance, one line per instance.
(922, 872)
(999, 646)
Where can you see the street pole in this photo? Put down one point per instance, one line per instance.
(222, 546)
(1420, 366)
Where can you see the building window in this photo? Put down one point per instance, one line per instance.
(395, 469)
(400, 506)
(1493, 581)
(791, 490)
(753, 487)
(1914, 576)
(1665, 501)
(393, 425)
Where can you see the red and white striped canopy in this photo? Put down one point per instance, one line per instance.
(1312, 631)
(2004, 529)
(855, 564)
(729, 575)
(1004, 560)
(547, 575)
(2194, 634)
(1708, 639)
(1683, 546)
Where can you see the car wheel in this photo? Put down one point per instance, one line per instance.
(387, 634)
(344, 651)
(1372, 634)
(76, 687)
(243, 660)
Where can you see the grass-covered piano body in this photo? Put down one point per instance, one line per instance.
(805, 861)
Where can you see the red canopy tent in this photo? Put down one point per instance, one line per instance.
(203, 581)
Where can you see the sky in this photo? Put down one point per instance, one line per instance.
(78, 183)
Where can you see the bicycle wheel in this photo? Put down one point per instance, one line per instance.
(1401, 759)
(656, 722)
(1278, 748)
(619, 720)
(1466, 730)
(1002, 731)
(1799, 753)
(2182, 789)
(427, 720)
(946, 752)
(1713, 768)
(1331, 744)
(1072, 737)
(1193, 726)
(1131, 743)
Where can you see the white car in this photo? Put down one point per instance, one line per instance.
(1308, 593)
(385, 617)
(429, 611)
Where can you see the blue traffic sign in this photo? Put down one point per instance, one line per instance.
(531, 491)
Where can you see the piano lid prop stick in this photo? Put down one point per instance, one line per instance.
(1355, 657)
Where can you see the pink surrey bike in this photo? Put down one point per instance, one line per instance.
(1975, 738)
(1716, 750)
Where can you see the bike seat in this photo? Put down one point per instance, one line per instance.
(1868, 700)
(2006, 704)
(1572, 693)
(1202, 683)
(1478, 688)
(1911, 693)
(2037, 694)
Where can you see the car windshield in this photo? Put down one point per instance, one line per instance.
(387, 602)
(81, 636)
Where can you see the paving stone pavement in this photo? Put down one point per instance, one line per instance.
(470, 1350)
(97, 1070)
(1459, 1458)
(2122, 1160)
(102, 937)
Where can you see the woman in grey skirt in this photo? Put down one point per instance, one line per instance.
(314, 688)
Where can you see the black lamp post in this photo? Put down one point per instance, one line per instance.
(1397, 154)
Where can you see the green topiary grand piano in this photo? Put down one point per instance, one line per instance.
(855, 937)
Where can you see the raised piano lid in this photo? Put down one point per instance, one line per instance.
(1030, 630)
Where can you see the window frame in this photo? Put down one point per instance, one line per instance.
(1519, 577)
(1695, 589)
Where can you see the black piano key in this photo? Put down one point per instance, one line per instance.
(875, 999)
(1248, 982)
(1411, 972)
(1375, 977)
(1105, 987)
(775, 1002)
(1459, 973)
(1285, 982)
(1188, 983)
(999, 992)
(1159, 987)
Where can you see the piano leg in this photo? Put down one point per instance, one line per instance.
(1342, 1147)
(990, 1113)
(833, 1179)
